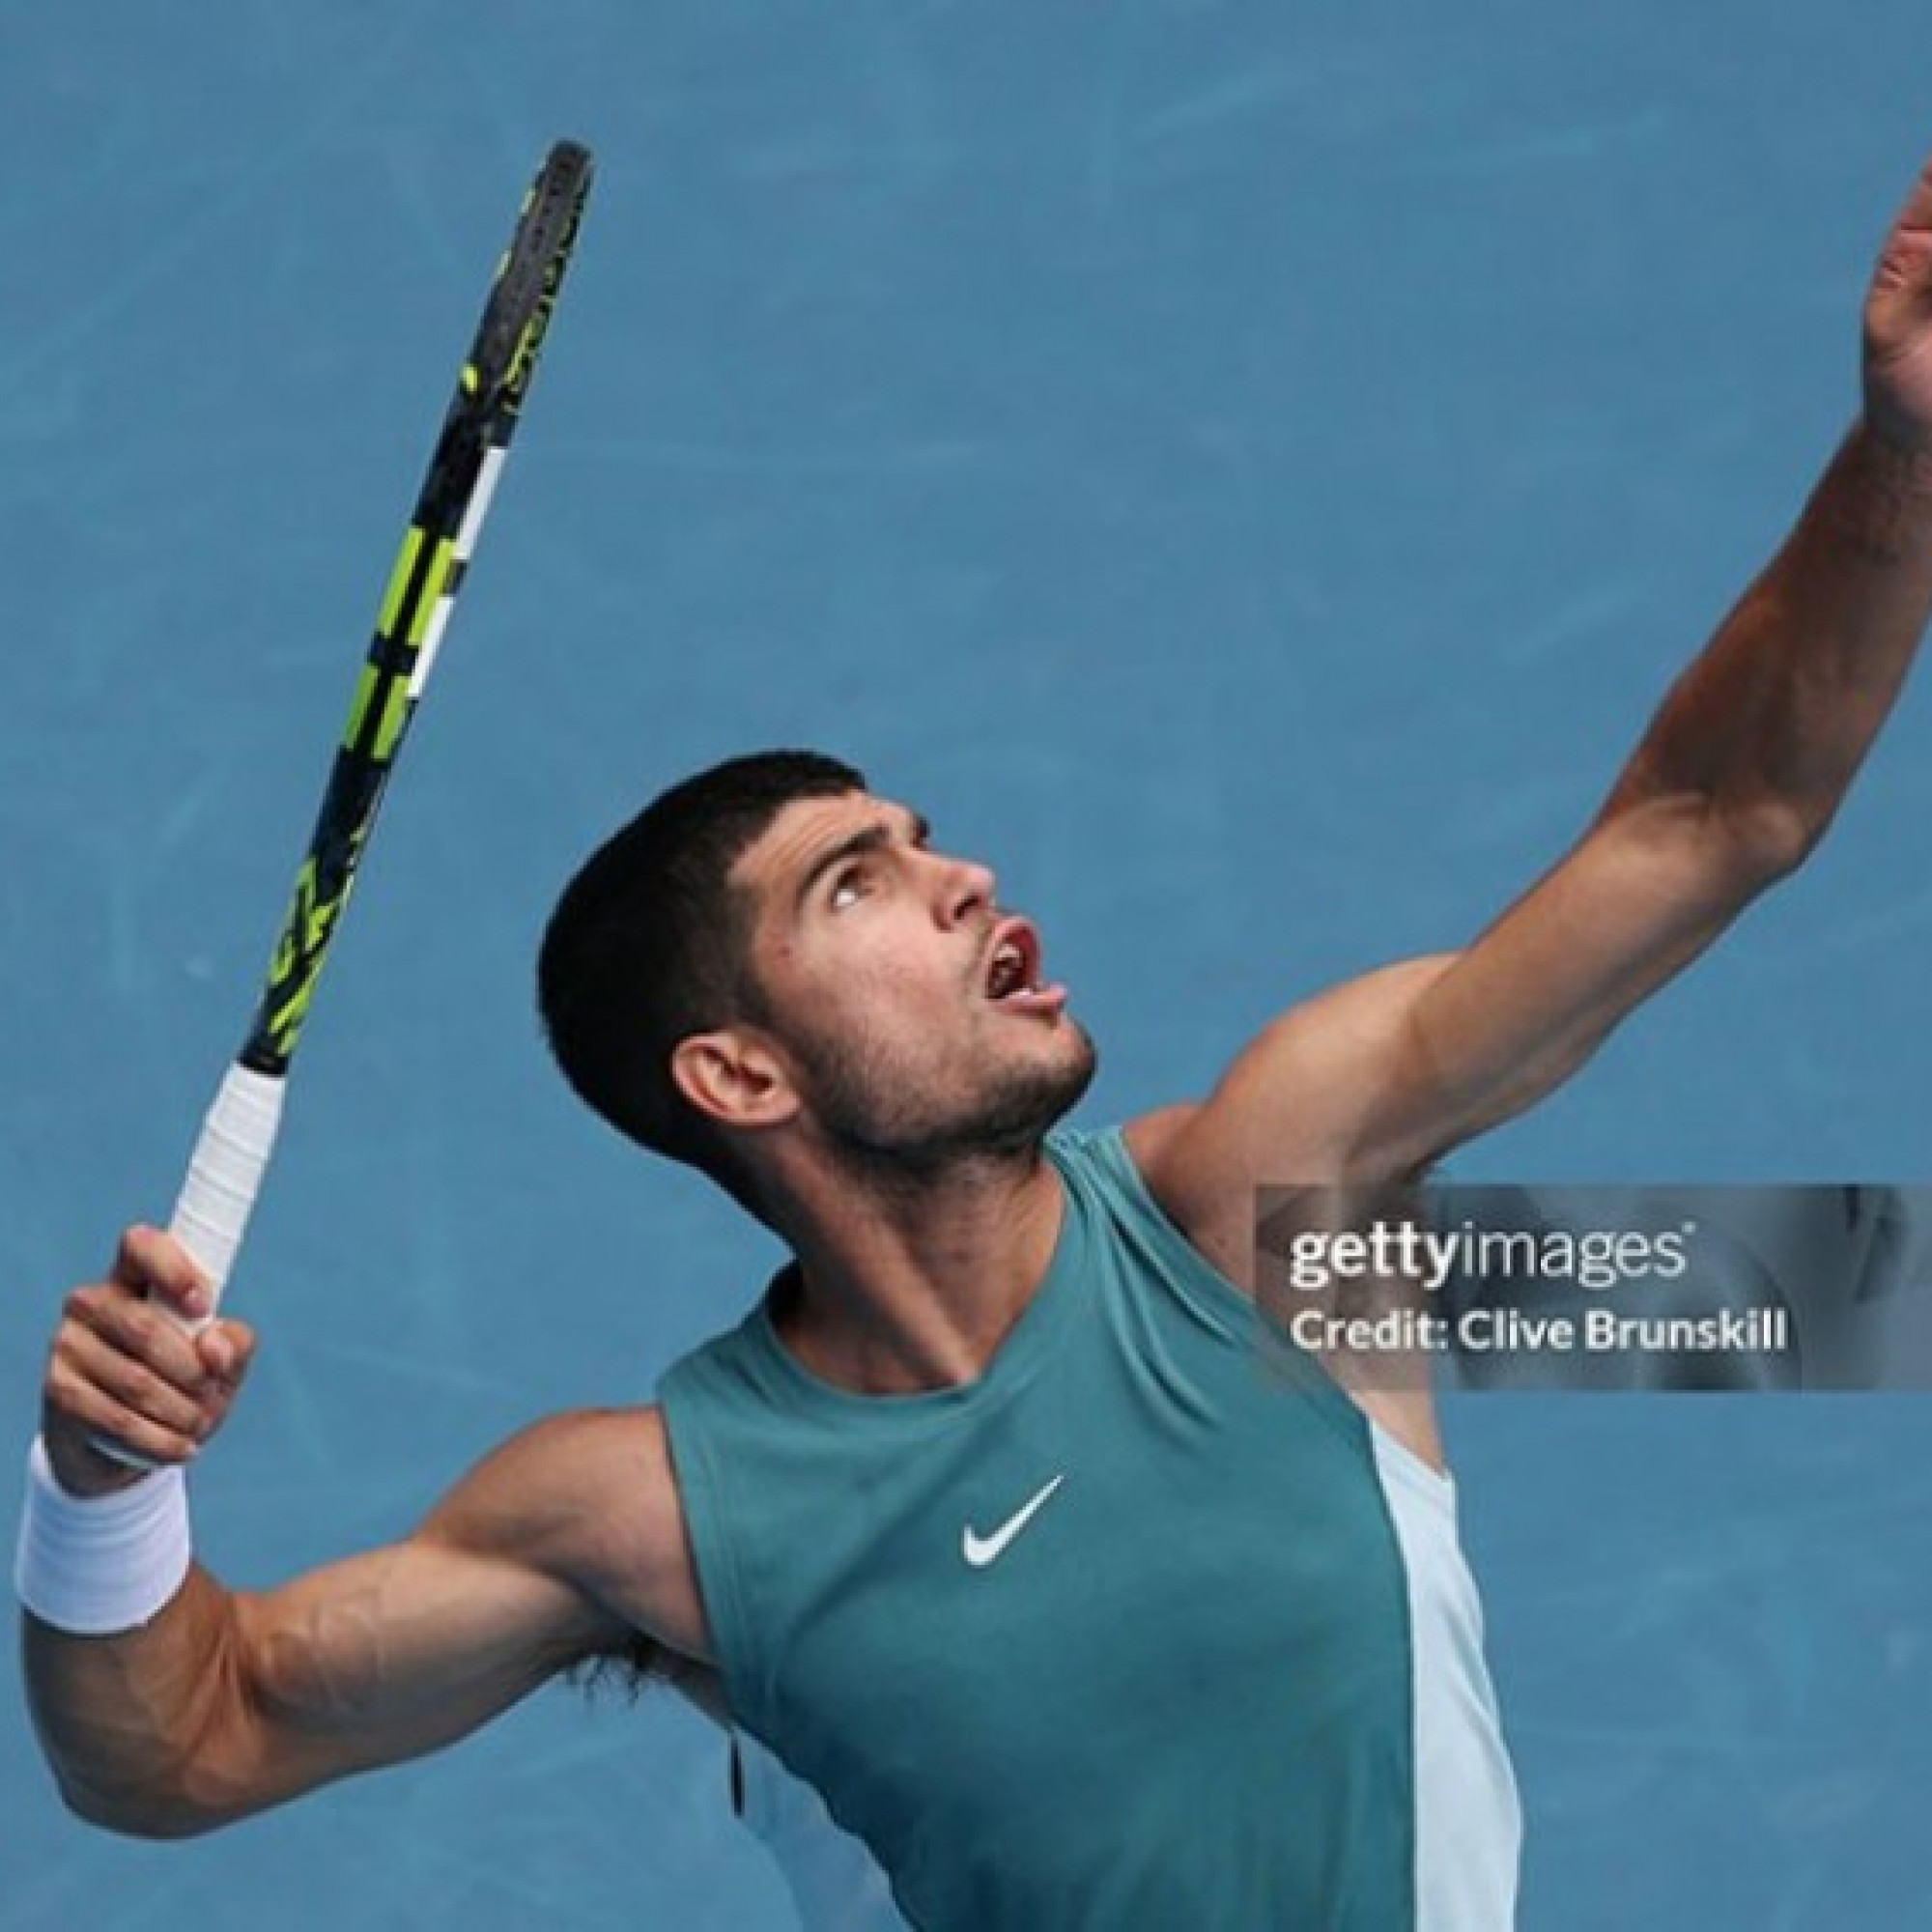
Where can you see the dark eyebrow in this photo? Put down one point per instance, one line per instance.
(876, 837)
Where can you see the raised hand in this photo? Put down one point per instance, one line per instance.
(1899, 325)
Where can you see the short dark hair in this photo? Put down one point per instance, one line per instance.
(650, 944)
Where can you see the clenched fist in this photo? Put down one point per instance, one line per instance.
(126, 1365)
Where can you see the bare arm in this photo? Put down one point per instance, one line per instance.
(565, 1543)
(1734, 782)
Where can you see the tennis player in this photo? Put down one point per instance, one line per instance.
(984, 1521)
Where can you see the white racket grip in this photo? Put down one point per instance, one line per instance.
(224, 1174)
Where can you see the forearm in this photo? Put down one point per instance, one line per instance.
(168, 1705)
(225, 1704)
(125, 1719)
(1766, 729)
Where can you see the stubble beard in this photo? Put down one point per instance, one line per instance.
(895, 1129)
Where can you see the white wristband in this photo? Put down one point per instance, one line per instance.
(95, 1565)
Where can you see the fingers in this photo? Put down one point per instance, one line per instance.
(154, 1262)
(124, 1367)
(1899, 325)
(225, 1348)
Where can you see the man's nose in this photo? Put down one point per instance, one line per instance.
(965, 890)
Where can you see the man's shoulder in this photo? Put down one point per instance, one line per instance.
(590, 1495)
(1147, 1137)
(537, 1487)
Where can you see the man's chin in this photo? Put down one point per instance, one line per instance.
(1007, 1124)
(1017, 1120)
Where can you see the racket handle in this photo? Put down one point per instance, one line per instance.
(224, 1175)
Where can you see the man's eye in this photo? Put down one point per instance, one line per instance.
(847, 888)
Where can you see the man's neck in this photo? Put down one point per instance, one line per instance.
(910, 1283)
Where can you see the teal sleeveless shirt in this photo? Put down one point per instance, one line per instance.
(1117, 1635)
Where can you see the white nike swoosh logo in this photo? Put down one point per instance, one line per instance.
(980, 1550)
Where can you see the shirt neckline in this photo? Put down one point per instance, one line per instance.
(1018, 1354)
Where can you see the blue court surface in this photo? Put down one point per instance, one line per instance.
(1245, 471)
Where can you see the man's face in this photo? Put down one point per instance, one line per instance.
(914, 1011)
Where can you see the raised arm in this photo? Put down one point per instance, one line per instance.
(1732, 785)
(565, 1545)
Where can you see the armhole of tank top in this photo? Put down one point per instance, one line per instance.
(1215, 1297)
(1437, 1488)
(703, 1497)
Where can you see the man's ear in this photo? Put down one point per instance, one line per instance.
(732, 1076)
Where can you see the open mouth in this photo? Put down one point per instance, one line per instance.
(1013, 967)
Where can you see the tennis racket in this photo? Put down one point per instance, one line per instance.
(225, 1173)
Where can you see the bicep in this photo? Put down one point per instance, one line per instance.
(1529, 1001)
(1385, 1074)
(392, 1654)
(1368, 1084)
(386, 1655)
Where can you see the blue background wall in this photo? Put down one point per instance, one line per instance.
(1248, 470)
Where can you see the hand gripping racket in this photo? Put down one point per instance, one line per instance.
(230, 1158)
